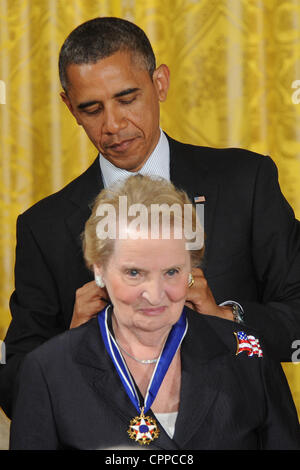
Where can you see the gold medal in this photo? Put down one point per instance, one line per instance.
(143, 429)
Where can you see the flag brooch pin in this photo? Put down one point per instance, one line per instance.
(248, 343)
(198, 199)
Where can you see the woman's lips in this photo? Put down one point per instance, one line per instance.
(153, 310)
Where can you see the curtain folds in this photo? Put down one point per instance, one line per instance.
(233, 67)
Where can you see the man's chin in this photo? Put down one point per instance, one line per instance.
(130, 156)
(126, 161)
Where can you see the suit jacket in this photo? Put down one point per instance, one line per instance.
(252, 252)
(71, 396)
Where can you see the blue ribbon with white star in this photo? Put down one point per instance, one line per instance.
(170, 348)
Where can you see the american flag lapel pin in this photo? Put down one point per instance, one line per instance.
(247, 343)
(198, 199)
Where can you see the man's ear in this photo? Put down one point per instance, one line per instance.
(68, 103)
(161, 80)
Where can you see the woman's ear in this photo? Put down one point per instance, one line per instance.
(98, 273)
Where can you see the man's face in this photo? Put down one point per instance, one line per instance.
(117, 103)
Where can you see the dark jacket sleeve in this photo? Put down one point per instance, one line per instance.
(281, 429)
(275, 242)
(33, 427)
(35, 310)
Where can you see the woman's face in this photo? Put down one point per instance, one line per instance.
(147, 281)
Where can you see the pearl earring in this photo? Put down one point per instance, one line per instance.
(99, 281)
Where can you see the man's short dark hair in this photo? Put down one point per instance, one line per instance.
(99, 38)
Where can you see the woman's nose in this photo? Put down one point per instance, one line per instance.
(154, 292)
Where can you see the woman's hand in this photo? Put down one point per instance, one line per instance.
(201, 299)
(89, 300)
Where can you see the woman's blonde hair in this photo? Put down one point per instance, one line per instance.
(141, 190)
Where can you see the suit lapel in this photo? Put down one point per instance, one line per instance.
(82, 193)
(99, 372)
(190, 172)
(202, 355)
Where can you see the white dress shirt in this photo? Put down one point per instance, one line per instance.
(158, 164)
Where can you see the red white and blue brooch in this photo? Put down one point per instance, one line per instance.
(247, 343)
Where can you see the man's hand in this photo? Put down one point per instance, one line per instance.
(89, 300)
(201, 299)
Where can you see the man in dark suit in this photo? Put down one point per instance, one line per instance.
(113, 89)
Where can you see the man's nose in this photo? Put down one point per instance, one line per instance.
(154, 291)
(114, 121)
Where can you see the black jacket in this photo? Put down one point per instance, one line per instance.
(71, 396)
(252, 252)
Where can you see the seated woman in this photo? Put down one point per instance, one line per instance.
(147, 369)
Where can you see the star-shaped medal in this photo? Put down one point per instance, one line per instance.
(143, 429)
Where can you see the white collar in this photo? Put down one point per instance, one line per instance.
(158, 164)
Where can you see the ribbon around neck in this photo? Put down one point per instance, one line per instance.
(170, 348)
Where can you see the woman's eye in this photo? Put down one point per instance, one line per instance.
(133, 272)
(172, 272)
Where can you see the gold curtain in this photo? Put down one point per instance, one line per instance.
(233, 67)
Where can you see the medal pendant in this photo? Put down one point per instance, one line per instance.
(143, 429)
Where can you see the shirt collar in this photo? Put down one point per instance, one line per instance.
(158, 164)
